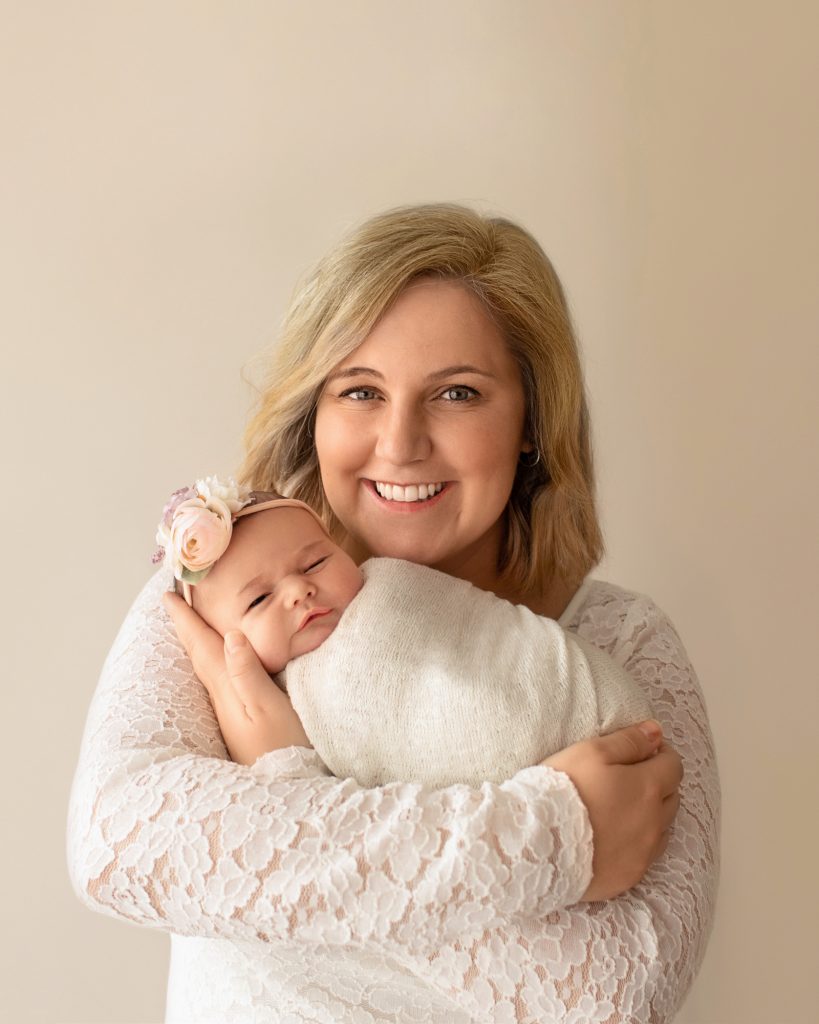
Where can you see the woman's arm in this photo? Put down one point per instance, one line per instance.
(631, 959)
(164, 831)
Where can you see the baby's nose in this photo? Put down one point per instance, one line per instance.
(298, 588)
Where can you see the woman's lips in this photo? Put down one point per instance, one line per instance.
(406, 507)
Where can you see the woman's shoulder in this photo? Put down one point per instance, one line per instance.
(146, 620)
(610, 615)
(595, 597)
(149, 597)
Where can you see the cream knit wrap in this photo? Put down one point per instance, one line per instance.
(428, 679)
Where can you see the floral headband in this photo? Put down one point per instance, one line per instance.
(197, 524)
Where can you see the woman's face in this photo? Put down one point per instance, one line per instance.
(431, 403)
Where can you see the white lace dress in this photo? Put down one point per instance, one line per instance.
(294, 896)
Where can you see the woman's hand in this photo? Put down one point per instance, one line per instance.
(629, 783)
(255, 716)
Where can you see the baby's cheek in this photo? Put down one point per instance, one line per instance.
(272, 646)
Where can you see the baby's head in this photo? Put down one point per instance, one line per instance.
(259, 563)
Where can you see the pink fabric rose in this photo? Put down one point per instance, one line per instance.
(199, 535)
(196, 526)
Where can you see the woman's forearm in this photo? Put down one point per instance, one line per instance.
(630, 959)
(164, 831)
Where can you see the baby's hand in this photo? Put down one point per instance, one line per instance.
(255, 716)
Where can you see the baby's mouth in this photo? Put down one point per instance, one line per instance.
(314, 613)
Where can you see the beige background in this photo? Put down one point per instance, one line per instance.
(170, 169)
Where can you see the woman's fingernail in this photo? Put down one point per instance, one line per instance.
(234, 640)
(651, 729)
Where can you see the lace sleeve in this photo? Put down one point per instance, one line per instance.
(631, 959)
(164, 831)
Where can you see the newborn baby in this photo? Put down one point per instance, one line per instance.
(397, 671)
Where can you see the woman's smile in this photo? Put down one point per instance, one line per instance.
(407, 498)
(407, 491)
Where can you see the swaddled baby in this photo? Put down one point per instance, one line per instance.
(397, 671)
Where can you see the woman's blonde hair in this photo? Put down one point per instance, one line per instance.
(552, 529)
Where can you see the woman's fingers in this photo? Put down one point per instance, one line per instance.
(203, 644)
(667, 768)
(629, 783)
(671, 805)
(249, 677)
(254, 715)
(644, 743)
(269, 721)
(661, 846)
(631, 744)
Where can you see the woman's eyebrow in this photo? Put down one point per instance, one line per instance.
(446, 371)
(355, 371)
(450, 371)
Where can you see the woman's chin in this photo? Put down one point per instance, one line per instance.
(404, 542)
(407, 552)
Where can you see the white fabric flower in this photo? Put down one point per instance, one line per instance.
(211, 489)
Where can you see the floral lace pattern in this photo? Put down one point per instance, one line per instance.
(294, 896)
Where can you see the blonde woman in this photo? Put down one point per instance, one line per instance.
(427, 400)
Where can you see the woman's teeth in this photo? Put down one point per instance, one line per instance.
(419, 492)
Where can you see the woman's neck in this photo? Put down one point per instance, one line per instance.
(480, 571)
(552, 604)
(479, 566)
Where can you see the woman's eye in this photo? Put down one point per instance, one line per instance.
(315, 565)
(459, 393)
(257, 600)
(357, 394)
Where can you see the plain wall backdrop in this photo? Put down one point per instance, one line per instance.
(170, 169)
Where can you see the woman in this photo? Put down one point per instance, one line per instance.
(433, 346)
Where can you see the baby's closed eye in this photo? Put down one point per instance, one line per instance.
(315, 565)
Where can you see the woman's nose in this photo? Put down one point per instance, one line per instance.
(402, 436)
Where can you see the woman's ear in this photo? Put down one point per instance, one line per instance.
(529, 456)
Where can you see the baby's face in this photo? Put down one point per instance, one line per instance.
(282, 582)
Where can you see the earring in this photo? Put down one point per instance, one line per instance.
(524, 462)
